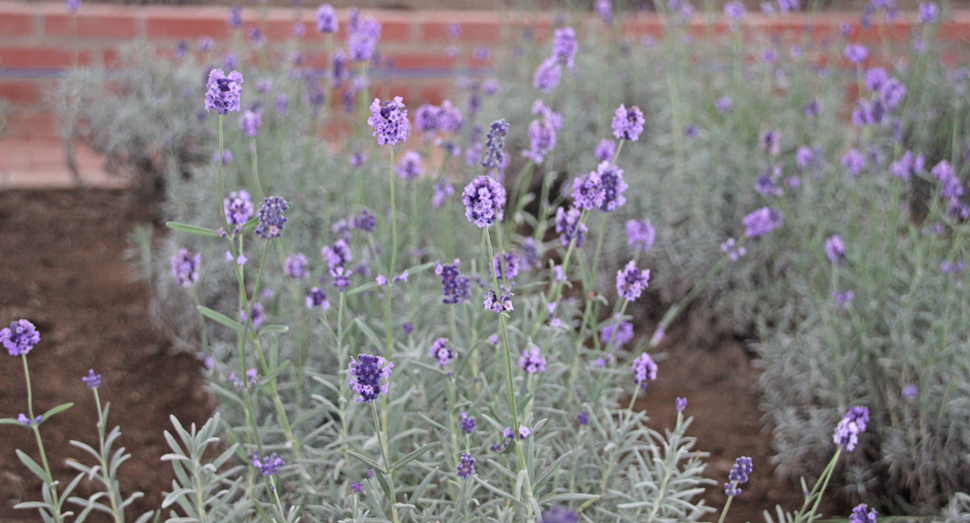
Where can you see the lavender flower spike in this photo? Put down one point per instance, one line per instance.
(532, 361)
(185, 267)
(238, 208)
(588, 191)
(628, 123)
(564, 46)
(366, 374)
(547, 75)
(644, 369)
(249, 123)
(631, 282)
(441, 350)
(761, 222)
(495, 144)
(326, 19)
(271, 219)
(466, 467)
(863, 514)
(389, 121)
(613, 186)
(853, 423)
(19, 337)
(640, 235)
(92, 380)
(738, 475)
(222, 92)
(569, 227)
(484, 199)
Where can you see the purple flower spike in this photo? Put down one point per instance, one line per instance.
(92, 380)
(410, 166)
(547, 75)
(853, 161)
(389, 121)
(681, 404)
(362, 37)
(454, 286)
(762, 221)
(505, 265)
(249, 123)
(442, 351)
(855, 53)
(564, 46)
(604, 8)
(542, 139)
(19, 337)
(524, 432)
(532, 361)
(569, 228)
(628, 123)
(588, 191)
(834, 249)
(738, 475)
(561, 514)
(863, 514)
(605, 150)
(296, 266)
(271, 219)
(337, 255)
(853, 423)
(326, 19)
(238, 208)
(222, 92)
(583, 418)
(484, 198)
(495, 145)
(640, 235)
(613, 186)
(644, 369)
(498, 304)
(624, 334)
(356, 487)
(631, 282)
(466, 467)
(21, 418)
(317, 298)
(268, 465)
(366, 374)
(185, 267)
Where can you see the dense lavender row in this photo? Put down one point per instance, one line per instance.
(470, 341)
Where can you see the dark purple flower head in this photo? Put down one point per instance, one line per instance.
(532, 361)
(569, 228)
(852, 424)
(950, 185)
(268, 465)
(365, 221)
(588, 191)
(628, 123)
(560, 514)
(92, 380)
(761, 222)
(356, 487)
(466, 467)
(834, 249)
(235, 16)
(505, 265)
(271, 219)
(341, 277)
(640, 235)
(185, 267)
(337, 255)
(467, 423)
(547, 75)
(531, 253)
(389, 121)
(498, 303)
(222, 92)
(484, 199)
(326, 19)
(410, 166)
(296, 266)
(317, 298)
(583, 418)
(862, 513)
(426, 118)
(681, 404)
(238, 208)
(738, 475)
(366, 374)
(564, 46)
(442, 351)
(855, 53)
(631, 282)
(644, 369)
(605, 150)
(249, 123)
(843, 299)
(624, 334)
(454, 286)
(613, 186)
(257, 319)
(495, 144)
(766, 186)
(362, 37)
(408, 328)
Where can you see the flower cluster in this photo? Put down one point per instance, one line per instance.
(738, 475)
(454, 286)
(337, 255)
(389, 121)
(498, 303)
(296, 266)
(362, 36)
(326, 19)
(238, 208)
(317, 298)
(644, 369)
(640, 235)
(547, 75)
(852, 424)
(762, 221)
(467, 423)
(524, 432)
(569, 228)
(628, 123)
(863, 514)
(564, 46)
(588, 191)
(442, 351)
(532, 361)
(249, 122)
(223, 92)
(270, 218)
(268, 465)
(495, 145)
(505, 265)
(19, 337)
(366, 374)
(410, 166)
(613, 186)
(624, 334)
(834, 249)
(466, 467)
(631, 282)
(185, 267)
(484, 199)
(92, 380)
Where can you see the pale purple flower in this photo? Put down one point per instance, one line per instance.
(910, 391)
(23, 419)
(270, 217)
(564, 46)
(326, 19)
(605, 150)
(929, 13)
(410, 166)
(644, 369)
(185, 267)
(547, 75)
(235, 16)
(389, 121)
(542, 139)
(628, 123)
(249, 123)
(804, 157)
(733, 251)
(366, 375)
(834, 249)
(853, 161)
(317, 298)
(257, 316)
(524, 432)
(724, 104)
(852, 424)
(505, 265)
(341, 277)
(268, 465)
(484, 199)
(738, 475)
(559, 515)
(863, 514)
(229, 61)
(569, 228)
(734, 10)
(442, 191)
(92, 380)
(442, 351)
(624, 334)
(73, 6)
(498, 303)
(855, 53)
(588, 191)
(613, 186)
(222, 92)
(640, 234)
(449, 118)
(681, 404)
(495, 145)
(843, 299)
(19, 337)
(604, 8)
(238, 208)
(532, 361)
(362, 38)
(631, 282)
(762, 221)
(205, 44)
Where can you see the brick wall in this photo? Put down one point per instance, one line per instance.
(37, 42)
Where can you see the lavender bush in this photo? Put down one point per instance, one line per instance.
(377, 380)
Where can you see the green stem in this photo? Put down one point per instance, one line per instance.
(259, 186)
(390, 269)
(727, 505)
(105, 477)
(389, 476)
(40, 442)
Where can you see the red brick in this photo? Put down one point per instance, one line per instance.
(176, 23)
(395, 31)
(421, 61)
(14, 24)
(102, 26)
(31, 124)
(471, 31)
(40, 57)
(20, 91)
(433, 94)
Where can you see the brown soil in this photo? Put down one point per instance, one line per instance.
(63, 269)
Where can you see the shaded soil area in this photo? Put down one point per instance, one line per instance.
(63, 269)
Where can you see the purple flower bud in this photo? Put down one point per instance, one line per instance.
(644, 369)
(855, 53)
(564, 46)
(296, 266)
(92, 380)
(852, 424)
(222, 92)
(628, 123)
(366, 374)
(442, 351)
(762, 221)
(389, 121)
(631, 282)
(547, 75)
(270, 218)
(681, 404)
(532, 361)
(834, 249)
(466, 467)
(484, 199)
(185, 267)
